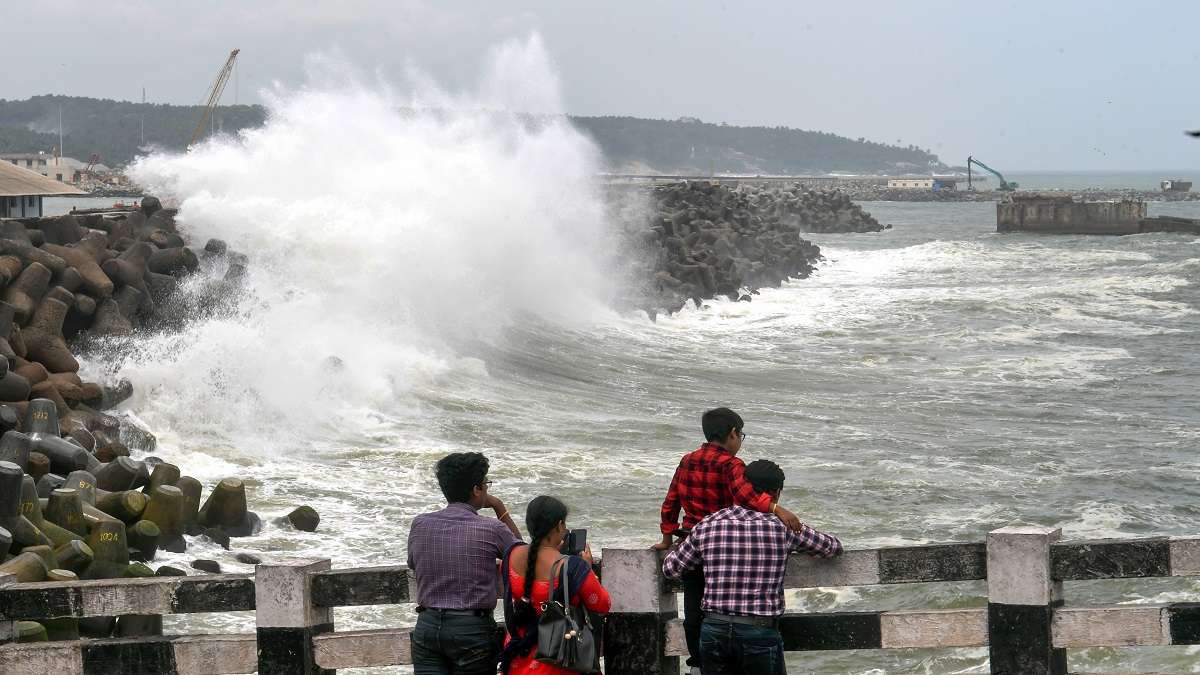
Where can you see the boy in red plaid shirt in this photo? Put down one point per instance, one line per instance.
(710, 479)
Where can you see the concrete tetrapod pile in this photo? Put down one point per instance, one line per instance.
(100, 274)
(73, 503)
(811, 210)
(99, 520)
(707, 240)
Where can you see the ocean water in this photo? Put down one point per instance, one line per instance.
(929, 383)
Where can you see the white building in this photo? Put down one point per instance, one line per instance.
(62, 169)
(911, 183)
(934, 183)
(22, 190)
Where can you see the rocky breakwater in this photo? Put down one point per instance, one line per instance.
(706, 240)
(74, 503)
(819, 211)
(882, 193)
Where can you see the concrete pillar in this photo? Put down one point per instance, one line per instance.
(1022, 597)
(286, 617)
(8, 627)
(635, 632)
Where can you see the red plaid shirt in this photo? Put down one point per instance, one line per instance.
(744, 555)
(708, 480)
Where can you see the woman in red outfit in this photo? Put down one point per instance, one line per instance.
(546, 518)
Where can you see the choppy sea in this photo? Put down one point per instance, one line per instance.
(927, 384)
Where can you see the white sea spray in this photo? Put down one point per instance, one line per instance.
(385, 226)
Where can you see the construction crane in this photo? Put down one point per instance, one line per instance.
(1005, 186)
(214, 96)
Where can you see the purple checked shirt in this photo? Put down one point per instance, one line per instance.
(453, 553)
(744, 554)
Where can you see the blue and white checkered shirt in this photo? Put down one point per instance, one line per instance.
(744, 554)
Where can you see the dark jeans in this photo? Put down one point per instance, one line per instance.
(454, 644)
(693, 593)
(740, 649)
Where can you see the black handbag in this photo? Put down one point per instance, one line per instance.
(565, 635)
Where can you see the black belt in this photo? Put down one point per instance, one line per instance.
(760, 621)
(455, 612)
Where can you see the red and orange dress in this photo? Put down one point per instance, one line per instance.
(585, 588)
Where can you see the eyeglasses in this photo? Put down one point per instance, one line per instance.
(742, 435)
(486, 483)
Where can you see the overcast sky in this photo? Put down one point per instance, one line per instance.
(1081, 84)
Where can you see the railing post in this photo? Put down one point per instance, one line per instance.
(1022, 597)
(286, 617)
(8, 627)
(635, 634)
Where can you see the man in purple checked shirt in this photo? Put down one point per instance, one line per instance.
(453, 554)
(744, 554)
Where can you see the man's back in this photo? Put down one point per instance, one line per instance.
(453, 553)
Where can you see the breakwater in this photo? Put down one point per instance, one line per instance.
(706, 240)
(74, 504)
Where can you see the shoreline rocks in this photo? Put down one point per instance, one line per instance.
(73, 503)
(104, 520)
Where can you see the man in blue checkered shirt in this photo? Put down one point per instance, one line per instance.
(744, 554)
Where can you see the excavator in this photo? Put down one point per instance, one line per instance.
(1005, 186)
(214, 96)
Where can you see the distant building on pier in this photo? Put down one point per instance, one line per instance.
(61, 169)
(936, 184)
(22, 190)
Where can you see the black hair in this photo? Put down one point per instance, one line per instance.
(459, 473)
(764, 475)
(543, 514)
(718, 422)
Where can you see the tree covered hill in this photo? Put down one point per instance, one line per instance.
(691, 146)
(118, 131)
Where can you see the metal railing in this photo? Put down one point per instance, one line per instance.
(1026, 626)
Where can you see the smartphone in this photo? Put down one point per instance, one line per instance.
(575, 541)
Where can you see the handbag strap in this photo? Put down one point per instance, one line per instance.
(563, 581)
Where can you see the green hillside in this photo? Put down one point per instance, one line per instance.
(113, 129)
(689, 145)
(119, 130)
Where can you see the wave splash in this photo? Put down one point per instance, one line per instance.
(386, 227)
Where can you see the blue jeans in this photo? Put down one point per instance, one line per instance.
(454, 645)
(740, 649)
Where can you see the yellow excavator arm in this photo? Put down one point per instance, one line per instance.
(214, 96)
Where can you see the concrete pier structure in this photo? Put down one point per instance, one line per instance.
(1052, 213)
(1060, 214)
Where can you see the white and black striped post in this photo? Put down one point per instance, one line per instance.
(1022, 597)
(287, 618)
(635, 631)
